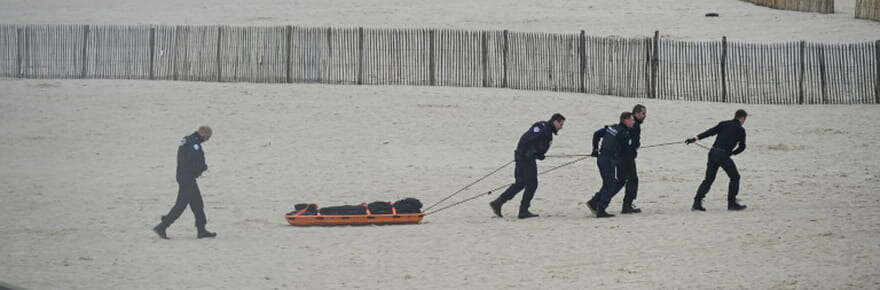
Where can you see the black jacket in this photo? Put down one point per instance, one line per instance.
(535, 142)
(730, 134)
(636, 132)
(191, 157)
(617, 140)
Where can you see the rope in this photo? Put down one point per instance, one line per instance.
(642, 147)
(469, 185)
(567, 155)
(662, 144)
(704, 146)
(503, 186)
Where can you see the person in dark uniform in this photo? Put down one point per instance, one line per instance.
(533, 144)
(190, 165)
(616, 140)
(626, 166)
(731, 141)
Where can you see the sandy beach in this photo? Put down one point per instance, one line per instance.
(88, 167)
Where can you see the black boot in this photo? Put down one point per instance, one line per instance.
(160, 229)
(600, 213)
(733, 205)
(698, 205)
(629, 208)
(591, 205)
(496, 206)
(525, 213)
(203, 233)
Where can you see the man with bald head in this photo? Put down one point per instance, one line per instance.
(190, 165)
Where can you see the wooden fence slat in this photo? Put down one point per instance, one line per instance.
(838, 71)
(680, 69)
(679, 63)
(841, 72)
(360, 74)
(833, 73)
(85, 40)
(877, 69)
(862, 70)
(859, 72)
(724, 69)
(504, 60)
(432, 63)
(582, 61)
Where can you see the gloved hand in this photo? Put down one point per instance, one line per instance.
(594, 153)
(540, 156)
(690, 140)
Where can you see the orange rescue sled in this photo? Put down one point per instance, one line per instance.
(298, 219)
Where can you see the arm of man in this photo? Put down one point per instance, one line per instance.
(543, 144)
(741, 145)
(709, 133)
(195, 160)
(597, 136)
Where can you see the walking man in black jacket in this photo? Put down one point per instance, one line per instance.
(190, 165)
(626, 166)
(533, 144)
(616, 139)
(731, 141)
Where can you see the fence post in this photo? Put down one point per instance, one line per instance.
(360, 78)
(582, 57)
(177, 32)
(724, 69)
(822, 72)
(655, 63)
(26, 54)
(85, 45)
(647, 41)
(877, 74)
(504, 62)
(801, 70)
(219, 66)
(485, 45)
(18, 52)
(329, 56)
(431, 62)
(152, 51)
(288, 37)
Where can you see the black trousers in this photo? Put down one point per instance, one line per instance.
(188, 194)
(720, 158)
(612, 180)
(526, 174)
(629, 178)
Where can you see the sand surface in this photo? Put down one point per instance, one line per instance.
(87, 168)
(677, 19)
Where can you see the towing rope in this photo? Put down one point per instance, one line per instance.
(503, 186)
(469, 185)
